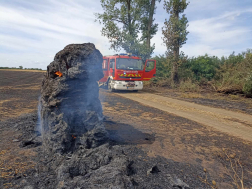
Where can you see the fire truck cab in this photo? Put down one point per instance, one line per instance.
(126, 72)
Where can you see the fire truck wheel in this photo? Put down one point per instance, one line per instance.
(110, 87)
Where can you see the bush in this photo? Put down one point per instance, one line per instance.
(202, 67)
(163, 66)
(247, 87)
(235, 77)
(232, 74)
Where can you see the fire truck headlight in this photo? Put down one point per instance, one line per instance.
(140, 82)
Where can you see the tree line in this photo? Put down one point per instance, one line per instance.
(20, 67)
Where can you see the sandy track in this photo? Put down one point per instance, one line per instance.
(233, 123)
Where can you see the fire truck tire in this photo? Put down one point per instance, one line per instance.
(110, 87)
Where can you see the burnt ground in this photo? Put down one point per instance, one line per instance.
(149, 137)
(19, 92)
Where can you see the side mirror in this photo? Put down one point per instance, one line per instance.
(148, 64)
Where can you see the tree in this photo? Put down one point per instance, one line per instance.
(148, 28)
(123, 20)
(21, 67)
(175, 32)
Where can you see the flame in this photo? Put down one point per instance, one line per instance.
(59, 73)
(74, 137)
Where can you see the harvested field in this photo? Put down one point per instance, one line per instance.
(164, 150)
(19, 92)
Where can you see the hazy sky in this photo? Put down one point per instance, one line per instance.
(33, 31)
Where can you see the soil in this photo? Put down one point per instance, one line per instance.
(207, 97)
(19, 91)
(165, 150)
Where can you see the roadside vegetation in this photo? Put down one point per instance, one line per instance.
(229, 75)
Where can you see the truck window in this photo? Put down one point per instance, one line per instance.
(105, 64)
(112, 63)
(129, 64)
(150, 66)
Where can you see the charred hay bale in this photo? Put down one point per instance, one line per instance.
(70, 109)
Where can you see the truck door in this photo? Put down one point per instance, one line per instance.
(149, 70)
(105, 69)
(112, 67)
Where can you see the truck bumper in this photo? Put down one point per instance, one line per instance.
(122, 85)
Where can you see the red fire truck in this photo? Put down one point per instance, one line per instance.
(126, 72)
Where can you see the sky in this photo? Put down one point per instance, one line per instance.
(33, 31)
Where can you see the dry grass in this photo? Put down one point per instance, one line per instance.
(188, 86)
(229, 97)
(191, 95)
(11, 164)
(166, 82)
(18, 108)
(212, 184)
(148, 83)
(236, 167)
(234, 97)
(14, 161)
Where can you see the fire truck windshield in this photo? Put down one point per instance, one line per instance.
(129, 64)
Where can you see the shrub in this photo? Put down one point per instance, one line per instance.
(202, 67)
(235, 77)
(230, 74)
(247, 87)
(163, 66)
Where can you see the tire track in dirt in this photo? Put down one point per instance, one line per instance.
(233, 123)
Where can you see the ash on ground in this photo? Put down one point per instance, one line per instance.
(76, 150)
(110, 165)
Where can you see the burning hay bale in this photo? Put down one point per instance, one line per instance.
(71, 111)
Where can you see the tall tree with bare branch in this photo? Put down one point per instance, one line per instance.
(174, 32)
(148, 27)
(124, 20)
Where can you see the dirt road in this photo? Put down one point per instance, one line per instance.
(233, 123)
